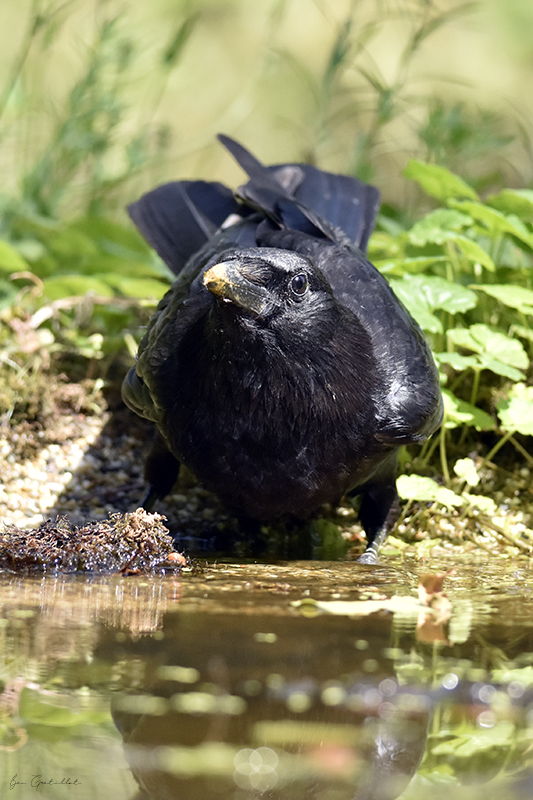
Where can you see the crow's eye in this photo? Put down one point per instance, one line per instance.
(299, 284)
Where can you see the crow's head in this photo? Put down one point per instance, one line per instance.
(273, 288)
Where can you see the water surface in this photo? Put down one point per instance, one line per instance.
(232, 682)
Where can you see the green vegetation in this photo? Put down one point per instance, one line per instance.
(77, 283)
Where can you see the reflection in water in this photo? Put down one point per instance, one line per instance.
(216, 686)
(281, 714)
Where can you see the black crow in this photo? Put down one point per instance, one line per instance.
(280, 368)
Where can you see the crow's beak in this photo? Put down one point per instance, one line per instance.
(226, 281)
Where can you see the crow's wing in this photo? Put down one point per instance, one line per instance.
(346, 202)
(178, 218)
(303, 198)
(410, 409)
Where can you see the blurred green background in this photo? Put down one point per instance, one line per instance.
(103, 98)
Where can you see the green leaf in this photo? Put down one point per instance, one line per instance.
(492, 345)
(438, 181)
(474, 252)
(465, 469)
(403, 265)
(331, 546)
(422, 294)
(522, 332)
(75, 286)
(142, 288)
(456, 360)
(113, 238)
(458, 412)
(437, 226)
(417, 487)
(499, 368)
(512, 296)
(11, 260)
(485, 504)
(496, 222)
(514, 201)
(516, 412)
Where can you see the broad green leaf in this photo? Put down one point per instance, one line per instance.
(423, 294)
(437, 226)
(513, 201)
(116, 265)
(401, 266)
(71, 243)
(516, 412)
(474, 252)
(465, 469)
(142, 288)
(422, 489)
(113, 238)
(500, 368)
(75, 286)
(496, 222)
(456, 360)
(492, 344)
(417, 306)
(513, 296)
(11, 260)
(438, 181)
(484, 504)
(458, 412)
(523, 332)
(443, 294)
(417, 487)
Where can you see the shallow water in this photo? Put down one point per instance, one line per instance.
(232, 683)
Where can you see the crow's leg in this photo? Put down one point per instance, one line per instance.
(380, 508)
(160, 472)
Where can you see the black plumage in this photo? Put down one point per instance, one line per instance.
(279, 367)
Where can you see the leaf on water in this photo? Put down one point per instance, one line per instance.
(438, 181)
(404, 604)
